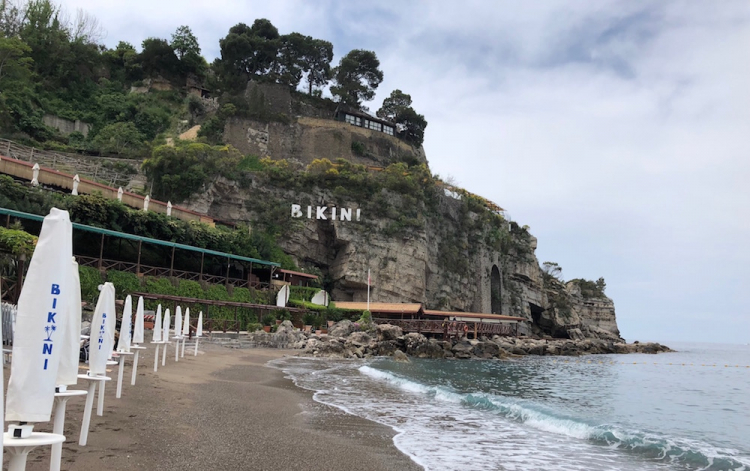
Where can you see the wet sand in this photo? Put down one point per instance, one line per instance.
(221, 410)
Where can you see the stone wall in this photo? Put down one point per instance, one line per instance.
(299, 132)
(66, 126)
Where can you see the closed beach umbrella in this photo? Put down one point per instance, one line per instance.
(67, 375)
(138, 329)
(100, 340)
(41, 323)
(123, 345)
(111, 328)
(185, 330)
(198, 332)
(157, 325)
(165, 337)
(186, 323)
(178, 322)
(165, 332)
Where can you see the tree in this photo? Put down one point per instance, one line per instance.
(158, 58)
(118, 138)
(184, 43)
(12, 58)
(287, 69)
(123, 63)
(552, 269)
(86, 28)
(357, 77)
(11, 18)
(393, 105)
(601, 285)
(248, 51)
(397, 109)
(316, 61)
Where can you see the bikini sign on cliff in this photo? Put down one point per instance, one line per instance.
(326, 213)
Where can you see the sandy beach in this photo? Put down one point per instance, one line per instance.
(220, 410)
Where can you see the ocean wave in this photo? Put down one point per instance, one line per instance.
(692, 454)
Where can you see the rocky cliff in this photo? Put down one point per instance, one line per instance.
(420, 242)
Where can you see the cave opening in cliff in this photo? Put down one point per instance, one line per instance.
(536, 313)
(496, 291)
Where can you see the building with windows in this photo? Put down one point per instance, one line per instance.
(364, 120)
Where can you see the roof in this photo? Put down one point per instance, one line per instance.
(476, 315)
(298, 273)
(390, 308)
(148, 240)
(363, 114)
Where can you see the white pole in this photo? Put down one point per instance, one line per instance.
(195, 353)
(100, 400)
(164, 354)
(83, 438)
(182, 354)
(135, 367)
(177, 350)
(156, 358)
(58, 427)
(119, 375)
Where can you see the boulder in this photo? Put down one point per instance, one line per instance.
(486, 350)
(400, 356)
(342, 329)
(388, 332)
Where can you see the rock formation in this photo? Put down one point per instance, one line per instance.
(422, 240)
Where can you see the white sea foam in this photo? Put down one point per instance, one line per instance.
(441, 428)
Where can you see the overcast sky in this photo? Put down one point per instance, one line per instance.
(618, 131)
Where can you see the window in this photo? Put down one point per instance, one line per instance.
(355, 120)
(388, 130)
(373, 125)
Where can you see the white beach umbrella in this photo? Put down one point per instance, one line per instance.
(165, 337)
(111, 328)
(67, 375)
(186, 323)
(41, 322)
(178, 322)
(165, 332)
(157, 325)
(101, 340)
(185, 330)
(123, 345)
(138, 328)
(198, 332)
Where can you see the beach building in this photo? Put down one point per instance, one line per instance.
(413, 317)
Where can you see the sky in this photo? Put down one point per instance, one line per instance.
(619, 131)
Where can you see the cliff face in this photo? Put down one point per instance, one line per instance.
(448, 253)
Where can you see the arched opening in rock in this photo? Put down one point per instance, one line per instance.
(496, 291)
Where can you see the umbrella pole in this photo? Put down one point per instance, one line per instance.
(164, 354)
(183, 347)
(100, 400)
(61, 402)
(195, 353)
(83, 438)
(135, 368)
(177, 350)
(118, 395)
(156, 358)
(19, 448)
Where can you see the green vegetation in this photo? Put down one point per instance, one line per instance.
(53, 64)
(17, 242)
(97, 211)
(590, 289)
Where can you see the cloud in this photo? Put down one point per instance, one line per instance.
(617, 130)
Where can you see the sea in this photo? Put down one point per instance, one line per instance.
(687, 410)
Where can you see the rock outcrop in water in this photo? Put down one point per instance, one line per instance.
(389, 340)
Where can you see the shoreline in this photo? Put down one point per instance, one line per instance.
(224, 409)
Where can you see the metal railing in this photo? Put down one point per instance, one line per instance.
(93, 166)
(450, 328)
